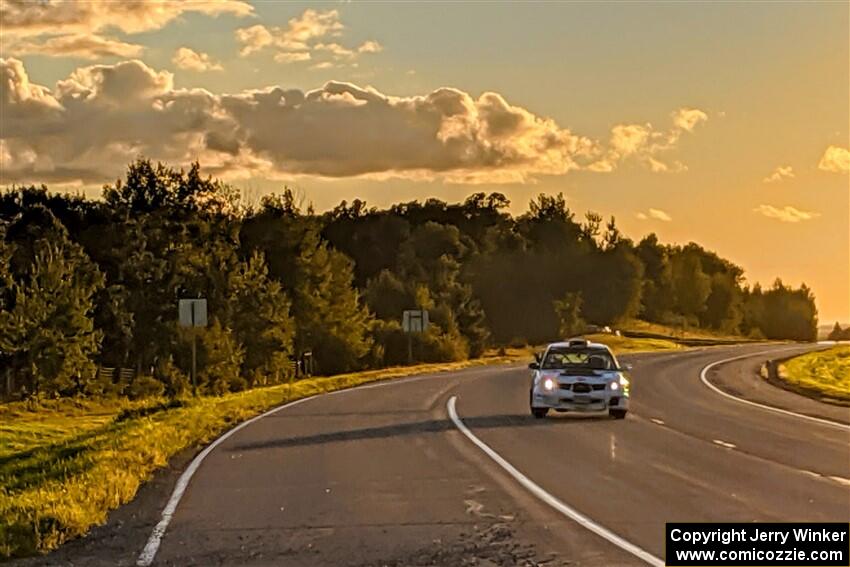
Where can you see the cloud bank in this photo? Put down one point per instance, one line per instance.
(100, 117)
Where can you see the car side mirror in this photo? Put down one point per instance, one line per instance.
(534, 366)
(626, 367)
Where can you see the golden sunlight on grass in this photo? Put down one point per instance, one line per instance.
(825, 372)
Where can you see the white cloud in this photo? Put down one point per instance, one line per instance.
(253, 38)
(645, 144)
(192, 60)
(72, 28)
(786, 213)
(687, 118)
(313, 24)
(656, 214)
(91, 124)
(835, 159)
(304, 38)
(370, 47)
(47, 17)
(292, 57)
(83, 46)
(779, 174)
(627, 139)
(336, 50)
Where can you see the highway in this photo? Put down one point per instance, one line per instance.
(382, 474)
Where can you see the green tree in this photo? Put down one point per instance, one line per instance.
(46, 325)
(691, 286)
(656, 303)
(330, 320)
(220, 359)
(259, 314)
(568, 311)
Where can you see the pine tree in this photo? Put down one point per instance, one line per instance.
(836, 334)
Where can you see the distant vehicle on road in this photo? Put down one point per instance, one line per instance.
(578, 375)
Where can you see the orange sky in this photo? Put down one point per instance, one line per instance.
(725, 124)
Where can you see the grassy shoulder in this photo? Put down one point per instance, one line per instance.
(824, 373)
(639, 326)
(64, 464)
(628, 345)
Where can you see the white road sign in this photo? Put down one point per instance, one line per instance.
(415, 321)
(193, 312)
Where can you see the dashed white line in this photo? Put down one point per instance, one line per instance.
(546, 497)
(724, 443)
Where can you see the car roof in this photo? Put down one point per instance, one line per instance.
(578, 343)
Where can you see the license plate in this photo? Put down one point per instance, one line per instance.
(582, 399)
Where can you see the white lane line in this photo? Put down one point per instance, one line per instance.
(703, 375)
(724, 443)
(148, 554)
(546, 497)
(656, 421)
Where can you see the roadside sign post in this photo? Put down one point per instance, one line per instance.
(413, 321)
(193, 313)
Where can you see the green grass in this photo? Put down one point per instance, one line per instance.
(64, 464)
(626, 345)
(826, 372)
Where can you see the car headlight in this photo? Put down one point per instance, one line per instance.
(615, 385)
(548, 384)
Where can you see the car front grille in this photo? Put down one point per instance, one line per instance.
(583, 388)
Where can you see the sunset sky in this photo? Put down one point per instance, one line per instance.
(725, 124)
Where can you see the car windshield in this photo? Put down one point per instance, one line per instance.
(581, 358)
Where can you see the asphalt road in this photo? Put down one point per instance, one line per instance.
(382, 476)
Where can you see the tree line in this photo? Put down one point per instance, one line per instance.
(89, 283)
(839, 334)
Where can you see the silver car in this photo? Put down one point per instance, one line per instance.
(579, 375)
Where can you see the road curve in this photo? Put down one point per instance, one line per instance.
(382, 476)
